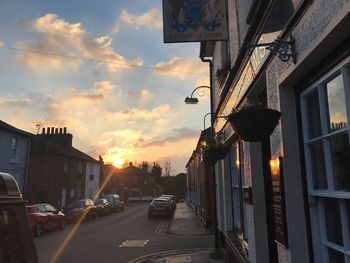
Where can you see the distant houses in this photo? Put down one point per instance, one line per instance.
(47, 167)
(130, 182)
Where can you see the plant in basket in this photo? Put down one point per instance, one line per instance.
(254, 123)
(214, 150)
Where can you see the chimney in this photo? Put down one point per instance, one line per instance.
(52, 130)
(48, 130)
(65, 130)
(56, 131)
(43, 130)
(61, 130)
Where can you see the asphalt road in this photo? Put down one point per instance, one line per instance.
(99, 240)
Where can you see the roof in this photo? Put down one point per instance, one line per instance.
(41, 143)
(10, 128)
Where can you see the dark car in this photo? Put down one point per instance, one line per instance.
(172, 200)
(102, 207)
(16, 235)
(160, 206)
(115, 203)
(45, 217)
(81, 211)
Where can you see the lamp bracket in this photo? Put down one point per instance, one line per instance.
(285, 50)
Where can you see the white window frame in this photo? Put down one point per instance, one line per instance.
(317, 196)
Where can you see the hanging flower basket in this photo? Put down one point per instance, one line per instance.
(214, 153)
(253, 125)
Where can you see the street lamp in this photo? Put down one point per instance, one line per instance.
(191, 100)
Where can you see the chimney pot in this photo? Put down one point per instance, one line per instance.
(56, 131)
(65, 130)
(48, 130)
(61, 130)
(52, 130)
(43, 130)
(130, 164)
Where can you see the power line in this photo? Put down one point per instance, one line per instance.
(45, 53)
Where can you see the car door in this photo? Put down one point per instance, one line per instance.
(54, 217)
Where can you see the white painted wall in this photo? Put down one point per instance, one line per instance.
(92, 186)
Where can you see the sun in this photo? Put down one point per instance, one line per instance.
(118, 163)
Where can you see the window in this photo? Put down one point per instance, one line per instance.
(236, 184)
(325, 113)
(65, 166)
(14, 146)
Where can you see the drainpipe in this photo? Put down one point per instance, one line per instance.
(215, 220)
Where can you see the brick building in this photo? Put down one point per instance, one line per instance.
(59, 173)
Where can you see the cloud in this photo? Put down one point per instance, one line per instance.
(180, 134)
(157, 112)
(58, 36)
(182, 68)
(151, 19)
(15, 102)
(142, 94)
(2, 43)
(103, 85)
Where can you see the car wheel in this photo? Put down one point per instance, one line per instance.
(38, 229)
(62, 224)
(150, 216)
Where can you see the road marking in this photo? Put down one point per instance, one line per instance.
(134, 243)
(163, 226)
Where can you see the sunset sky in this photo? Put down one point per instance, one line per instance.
(130, 108)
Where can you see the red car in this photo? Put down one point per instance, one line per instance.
(45, 217)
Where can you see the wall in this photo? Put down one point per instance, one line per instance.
(17, 168)
(92, 186)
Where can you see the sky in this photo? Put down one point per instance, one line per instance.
(129, 109)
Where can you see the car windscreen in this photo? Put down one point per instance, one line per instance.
(157, 202)
(78, 204)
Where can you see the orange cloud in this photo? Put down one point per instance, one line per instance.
(61, 37)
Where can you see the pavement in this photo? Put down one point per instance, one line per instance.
(184, 223)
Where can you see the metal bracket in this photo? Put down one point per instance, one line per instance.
(285, 50)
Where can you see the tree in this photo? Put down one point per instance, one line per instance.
(167, 167)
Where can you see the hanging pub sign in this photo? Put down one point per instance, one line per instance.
(194, 20)
(279, 210)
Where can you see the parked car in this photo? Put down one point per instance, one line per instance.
(115, 202)
(172, 200)
(160, 206)
(102, 207)
(16, 235)
(84, 208)
(45, 217)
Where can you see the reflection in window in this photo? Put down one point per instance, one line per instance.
(336, 104)
(335, 256)
(340, 161)
(333, 223)
(314, 117)
(318, 166)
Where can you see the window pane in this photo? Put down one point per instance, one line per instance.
(335, 256)
(318, 165)
(314, 119)
(341, 161)
(336, 104)
(333, 221)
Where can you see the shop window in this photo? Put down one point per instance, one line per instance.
(324, 110)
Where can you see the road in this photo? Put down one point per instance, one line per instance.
(100, 240)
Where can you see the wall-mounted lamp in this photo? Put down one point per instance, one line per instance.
(191, 100)
(275, 166)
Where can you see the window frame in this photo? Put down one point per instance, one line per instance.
(318, 196)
